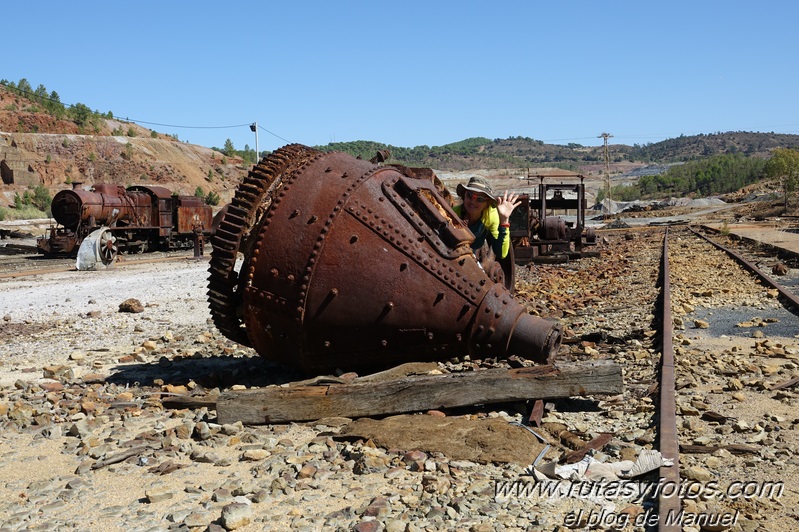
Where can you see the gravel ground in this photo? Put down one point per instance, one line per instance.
(86, 443)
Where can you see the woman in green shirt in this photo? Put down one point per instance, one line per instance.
(486, 214)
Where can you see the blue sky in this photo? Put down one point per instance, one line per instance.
(416, 72)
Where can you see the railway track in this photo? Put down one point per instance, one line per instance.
(734, 356)
(26, 263)
(725, 374)
(711, 358)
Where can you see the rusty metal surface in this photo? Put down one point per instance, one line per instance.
(72, 207)
(668, 501)
(535, 230)
(192, 214)
(142, 218)
(352, 265)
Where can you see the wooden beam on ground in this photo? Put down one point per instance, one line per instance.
(735, 448)
(594, 445)
(282, 404)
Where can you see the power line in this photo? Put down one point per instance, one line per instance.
(134, 120)
(184, 127)
(274, 134)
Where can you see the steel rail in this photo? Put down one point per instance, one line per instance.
(784, 292)
(117, 265)
(669, 476)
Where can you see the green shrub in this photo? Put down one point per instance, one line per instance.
(26, 212)
(212, 199)
(41, 198)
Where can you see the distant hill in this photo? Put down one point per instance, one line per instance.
(524, 152)
(44, 142)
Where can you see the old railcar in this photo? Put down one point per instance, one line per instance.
(140, 218)
(540, 236)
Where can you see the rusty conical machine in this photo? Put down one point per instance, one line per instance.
(353, 265)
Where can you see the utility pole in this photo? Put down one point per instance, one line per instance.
(254, 128)
(605, 137)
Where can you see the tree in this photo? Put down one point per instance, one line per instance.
(23, 87)
(41, 198)
(212, 199)
(229, 150)
(784, 165)
(81, 114)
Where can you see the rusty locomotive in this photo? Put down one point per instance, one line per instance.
(137, 219)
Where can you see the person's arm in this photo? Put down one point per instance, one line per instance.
(498, 235)
(505, 206)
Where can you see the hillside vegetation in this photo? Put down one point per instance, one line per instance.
(61, 144)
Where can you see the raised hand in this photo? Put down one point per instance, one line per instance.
(505, 205)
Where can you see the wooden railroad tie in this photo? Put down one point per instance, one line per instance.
(368, 396)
